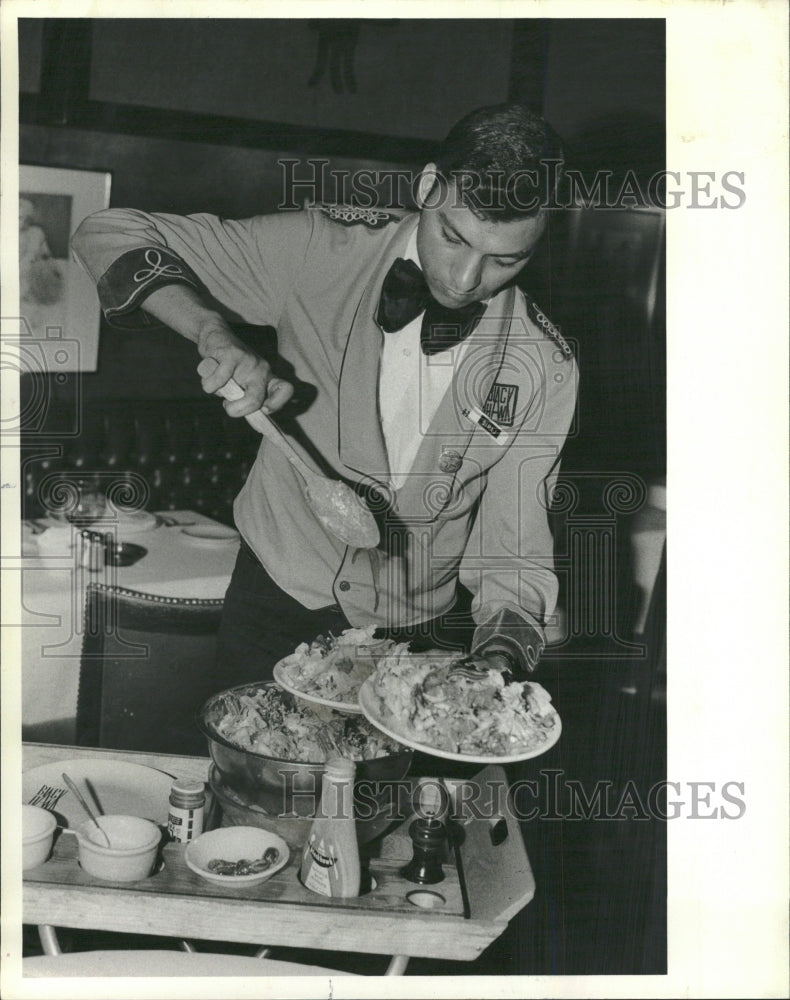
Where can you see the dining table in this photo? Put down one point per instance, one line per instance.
(175, 562)
(487, 880)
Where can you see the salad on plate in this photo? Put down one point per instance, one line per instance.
(425, 700)
(330, 670)
(264, 720)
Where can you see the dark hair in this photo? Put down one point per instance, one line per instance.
(505, 159)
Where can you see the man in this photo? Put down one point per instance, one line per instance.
(442, 394)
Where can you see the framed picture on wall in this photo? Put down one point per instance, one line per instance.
(59, 308)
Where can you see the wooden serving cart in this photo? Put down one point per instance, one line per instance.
(487, 880)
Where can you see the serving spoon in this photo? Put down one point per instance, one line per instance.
(78, 796)
(335, 505)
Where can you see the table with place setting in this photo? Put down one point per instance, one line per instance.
(179, 554)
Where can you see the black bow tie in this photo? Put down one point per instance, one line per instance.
(405, 294)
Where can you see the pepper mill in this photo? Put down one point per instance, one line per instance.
(428, 837)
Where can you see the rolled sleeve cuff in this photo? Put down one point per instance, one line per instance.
(508, 632)
(133, 276)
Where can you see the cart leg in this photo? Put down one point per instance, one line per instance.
(397, 965)
(49, 939)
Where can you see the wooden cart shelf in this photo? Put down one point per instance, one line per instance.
(495, 877)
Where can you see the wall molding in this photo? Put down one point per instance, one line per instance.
(100, 116)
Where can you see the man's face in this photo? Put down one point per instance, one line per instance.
(465, 258)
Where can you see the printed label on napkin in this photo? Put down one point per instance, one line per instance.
(47, 797)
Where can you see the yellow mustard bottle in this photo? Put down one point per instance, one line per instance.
(330, 859)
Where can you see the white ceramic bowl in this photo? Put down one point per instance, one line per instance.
(38, 829)
(233, 843)
(132, 852)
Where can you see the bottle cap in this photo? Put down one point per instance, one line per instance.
(187, 793)
(189, 786)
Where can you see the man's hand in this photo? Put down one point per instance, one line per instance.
(490, 661)
(183, 310)
(497, 660)
(506, 637)
(235, 361)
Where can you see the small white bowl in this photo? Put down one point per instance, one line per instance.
(38, 829)
(132, 852)
(233, 843)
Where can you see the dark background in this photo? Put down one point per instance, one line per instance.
(194, 115)
(53, 215)
(187, 148)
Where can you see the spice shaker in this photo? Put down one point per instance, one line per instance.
(429, 840)
(91, 550)
(428, 833)
(187, 805)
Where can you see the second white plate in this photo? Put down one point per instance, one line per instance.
(281, 677)
(210, 534)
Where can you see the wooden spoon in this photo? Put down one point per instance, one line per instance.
(335, 505)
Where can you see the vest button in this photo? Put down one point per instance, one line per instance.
(344, 585)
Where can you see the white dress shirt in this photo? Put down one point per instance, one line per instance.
(411, 387)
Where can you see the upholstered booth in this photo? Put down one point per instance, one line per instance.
(148, 664)
(181, 454)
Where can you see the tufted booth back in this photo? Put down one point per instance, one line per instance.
(166, 454)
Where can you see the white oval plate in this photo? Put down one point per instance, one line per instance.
(351, 708)
(113, 786)
(210, 534)
(232, 843)
(368, 701)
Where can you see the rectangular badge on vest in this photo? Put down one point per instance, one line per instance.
(500, 406)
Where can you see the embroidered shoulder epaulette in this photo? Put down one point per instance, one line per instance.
(353, 215)
(542, 320)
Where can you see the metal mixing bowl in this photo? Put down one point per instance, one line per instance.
(287, 787)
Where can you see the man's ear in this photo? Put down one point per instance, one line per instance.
(426, 183)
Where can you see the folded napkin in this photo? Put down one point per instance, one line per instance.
(54, 540)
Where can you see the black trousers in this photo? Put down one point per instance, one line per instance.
(261, 624)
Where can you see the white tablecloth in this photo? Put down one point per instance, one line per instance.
(53, 599)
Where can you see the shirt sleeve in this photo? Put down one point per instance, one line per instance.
(511, 574)
(508, 632)
(246, 267)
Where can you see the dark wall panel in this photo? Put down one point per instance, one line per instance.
(397, 77)
(598, 69)
(166, 176)
(30, 31)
